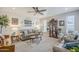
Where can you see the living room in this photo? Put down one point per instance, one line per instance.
(38, 29)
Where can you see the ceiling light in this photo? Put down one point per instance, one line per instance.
(66, 9)
(13, 8)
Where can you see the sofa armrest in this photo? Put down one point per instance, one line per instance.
(58, 49)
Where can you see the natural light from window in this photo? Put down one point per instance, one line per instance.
(70, 27)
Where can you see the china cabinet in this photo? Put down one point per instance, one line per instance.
(53, 30)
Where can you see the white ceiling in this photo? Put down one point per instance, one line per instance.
(51, 11)
(59, 10)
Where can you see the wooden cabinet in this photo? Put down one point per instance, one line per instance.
(1, 41)
(7, 48)
(53, 30)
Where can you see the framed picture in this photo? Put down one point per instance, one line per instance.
(61, 23)
(27, 22)
(14, 21)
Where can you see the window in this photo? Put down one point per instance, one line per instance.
(70, 26)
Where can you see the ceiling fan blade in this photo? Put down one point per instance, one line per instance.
(42, 10)
(34, 8)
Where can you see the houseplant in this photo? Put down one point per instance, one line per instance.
(3, 21)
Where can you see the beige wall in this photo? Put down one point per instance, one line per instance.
(63, 17)
(21, 14)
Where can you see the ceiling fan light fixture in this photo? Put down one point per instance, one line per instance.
(36, 10)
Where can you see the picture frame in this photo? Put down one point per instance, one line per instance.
(27, 23)
(14, 21)
(61, 23)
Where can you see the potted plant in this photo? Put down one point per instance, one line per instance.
(3, 21)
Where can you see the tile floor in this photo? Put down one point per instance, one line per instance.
(44, 45)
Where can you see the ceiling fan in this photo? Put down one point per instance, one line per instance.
(36, 10)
